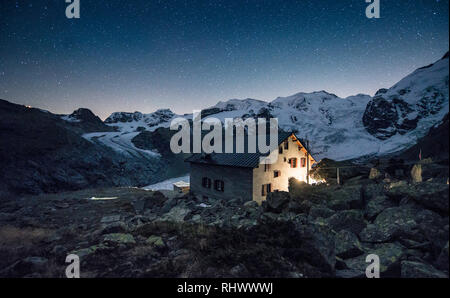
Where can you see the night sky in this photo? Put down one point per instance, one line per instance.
(185, 55)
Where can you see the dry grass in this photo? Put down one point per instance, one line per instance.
(17, 243)
(24, 237)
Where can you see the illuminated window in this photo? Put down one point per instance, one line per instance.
(303, 162)
(293, 162)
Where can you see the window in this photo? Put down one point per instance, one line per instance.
(293, 162)
(299, 148)
(206, 182)
(265, 189)
(219, 185)
(276, 174)
(303, 162)
(280, 150)
(266, 167)
(286, 145)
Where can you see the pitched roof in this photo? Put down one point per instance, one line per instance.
(245, 160)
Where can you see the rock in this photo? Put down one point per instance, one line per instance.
(317, 211)
(119, 238)
(155, 241)
(392, 222)
(316, 245)
(348, 273)
(156, 200)
(347, 245)
(110, 218)
(433, 196)
(374, 173)
(61, 205)
(28, 267)
(442, 261)
(85, 253)
(4, 217)
(351, 220)
(377, 205)
(169, 204)
(35, 263)
(346, 198)
(239, 271)
(411, 269)
(58, 250)
(390, 255)
(115, 227)
(176, 214)
(276, 201)
(416, 173)
(251, 204)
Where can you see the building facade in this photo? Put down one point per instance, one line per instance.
(242, 176)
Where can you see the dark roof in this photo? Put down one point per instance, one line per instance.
(246, 160)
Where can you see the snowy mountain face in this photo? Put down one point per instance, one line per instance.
(129, 121)
(337, 128)
(127, 126)
(420, 99)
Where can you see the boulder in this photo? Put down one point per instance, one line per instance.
(390, 223)
(433, 196)
(319, 211)
(408, 222)
(442, 261)
(277, 201)
(110, 218)
(347, 245)
(348, 273)
(176, 214)
(251, 204)
(156, 200)
(119, 238)
(377, 205)
(410, 269)
(346, 198)
(155, 241)
(350, 220)
(316, 245)
(169, 204)
(115, 227)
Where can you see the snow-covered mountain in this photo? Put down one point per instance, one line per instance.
(338, 128)
(127, 126)
(132, 121)
(417, 101)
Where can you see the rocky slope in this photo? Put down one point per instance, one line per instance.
(312, 231)
(41, 152)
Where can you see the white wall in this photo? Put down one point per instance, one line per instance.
(281, 183)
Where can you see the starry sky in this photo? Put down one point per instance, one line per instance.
(143, 55)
